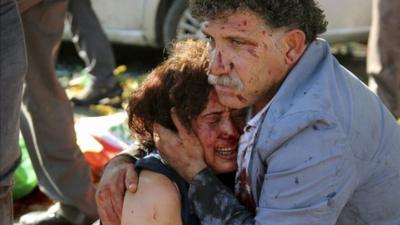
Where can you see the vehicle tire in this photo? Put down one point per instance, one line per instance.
(179, 24)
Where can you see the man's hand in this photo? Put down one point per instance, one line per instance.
(119, 176)
(182, 151)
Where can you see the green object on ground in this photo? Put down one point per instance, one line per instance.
(25, 179)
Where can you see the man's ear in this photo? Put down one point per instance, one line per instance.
(295, 42)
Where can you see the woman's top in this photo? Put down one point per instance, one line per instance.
(154, 162)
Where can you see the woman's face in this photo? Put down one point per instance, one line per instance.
(218, 135)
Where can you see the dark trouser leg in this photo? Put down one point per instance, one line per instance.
(47, 122)
(12, 71)
(95, 50)
(91, 39)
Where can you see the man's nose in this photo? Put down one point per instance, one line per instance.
(219, 64)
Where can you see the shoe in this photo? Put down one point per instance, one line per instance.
(49, 217)
(98, 91)
(55, 215)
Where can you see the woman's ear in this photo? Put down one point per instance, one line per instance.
(295, 42)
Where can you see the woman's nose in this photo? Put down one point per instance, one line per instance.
(229, 128)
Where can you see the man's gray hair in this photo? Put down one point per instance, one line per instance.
(292, 14)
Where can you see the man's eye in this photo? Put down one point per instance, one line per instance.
(237, 42)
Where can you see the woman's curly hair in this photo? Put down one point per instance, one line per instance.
(293, 14)
(179, 82)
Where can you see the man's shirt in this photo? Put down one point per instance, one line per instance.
(246, 146)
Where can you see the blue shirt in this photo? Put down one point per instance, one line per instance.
(328, 152)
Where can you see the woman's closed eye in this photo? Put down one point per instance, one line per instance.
(212, 119)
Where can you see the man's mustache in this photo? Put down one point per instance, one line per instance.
(225, 81)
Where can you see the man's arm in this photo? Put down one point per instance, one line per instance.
(119, 176)
(214, 203)
(309, 180)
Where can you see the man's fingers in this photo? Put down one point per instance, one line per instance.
(162, 132)
(102, 212)
(114, 215)
(167, 142)
(187, 137)
(182, 131)
(163, 136)
(131, 179)
(117, 201)
(108, 218)
(106, 209)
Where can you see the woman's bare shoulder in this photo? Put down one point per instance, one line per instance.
(157, 201)
(157, 182)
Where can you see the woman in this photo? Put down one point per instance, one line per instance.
(180, 83)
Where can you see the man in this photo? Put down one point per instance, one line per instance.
(47, 121)
(12, 73)
(320, 148)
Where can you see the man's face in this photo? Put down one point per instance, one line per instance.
(218, 135)
(247, 60)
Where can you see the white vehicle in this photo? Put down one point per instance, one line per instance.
(155, 22)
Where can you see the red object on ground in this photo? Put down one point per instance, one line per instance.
(97, 160)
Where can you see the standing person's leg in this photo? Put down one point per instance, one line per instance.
(12, 71)
(384, 52)
(91, 39)
(95, 50)
(47, 122)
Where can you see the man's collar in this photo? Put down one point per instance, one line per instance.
(252, 121)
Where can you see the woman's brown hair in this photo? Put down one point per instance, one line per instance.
(179, 82)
